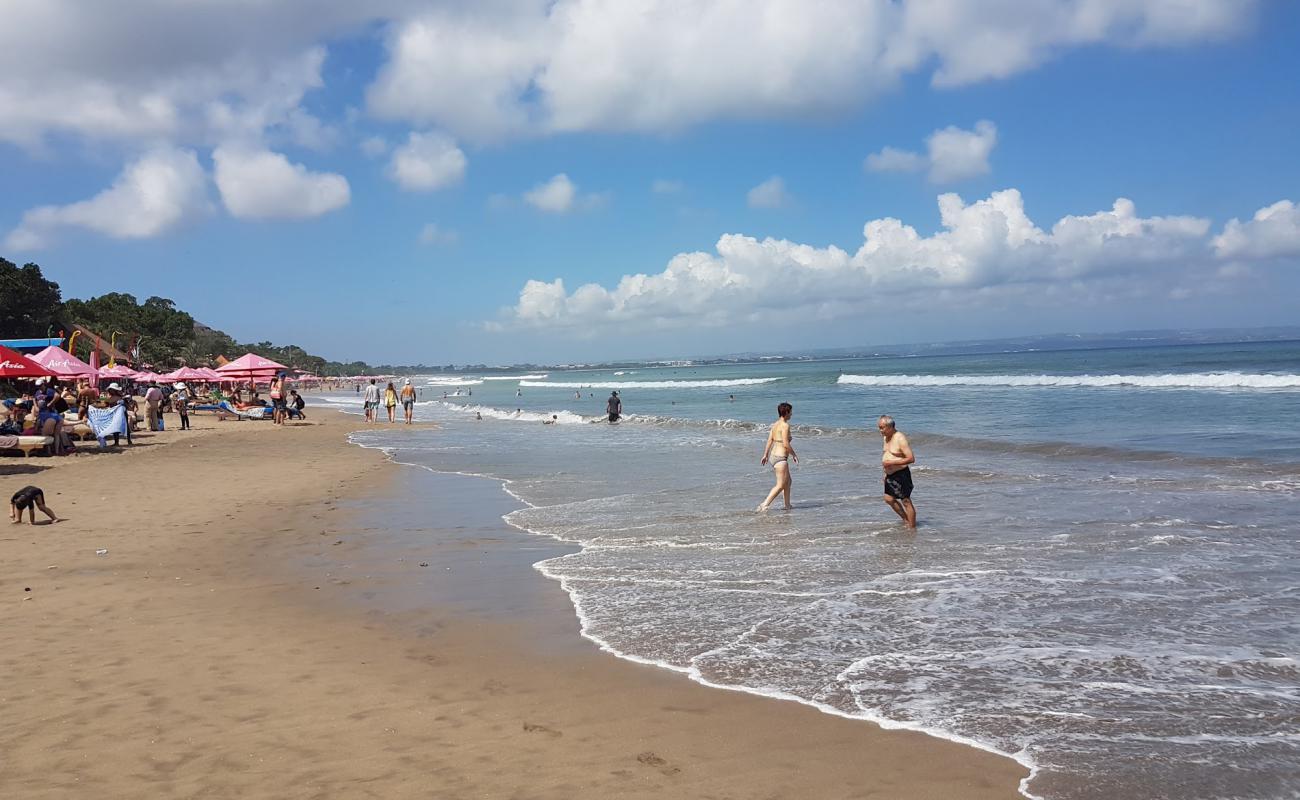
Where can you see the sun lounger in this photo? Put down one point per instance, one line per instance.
(25, 443)
(224, 409)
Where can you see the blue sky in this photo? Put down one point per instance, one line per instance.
(1190, 115)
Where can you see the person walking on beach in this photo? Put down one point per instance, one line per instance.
(614, 407)
(408, 400)
(371, 402)
(896, 456)
(390, 402)
(780, 452)
(181, 404)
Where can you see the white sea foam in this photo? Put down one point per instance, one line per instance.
(599, 384)
(539, 377)
(1185, 380)
(562, 417)
(453, 380)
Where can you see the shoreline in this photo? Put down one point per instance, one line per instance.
(694, 675)
(285, 644)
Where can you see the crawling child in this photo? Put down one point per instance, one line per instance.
(29, 498)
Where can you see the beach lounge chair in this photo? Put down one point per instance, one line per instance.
(26, 443)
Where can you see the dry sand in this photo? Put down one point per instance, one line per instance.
(269, 623)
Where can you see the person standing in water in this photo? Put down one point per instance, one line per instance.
(390, 401)
(408, 400)
(614, 407)
(895, 459)
(780, 452)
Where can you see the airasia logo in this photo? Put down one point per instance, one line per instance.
(12, 365)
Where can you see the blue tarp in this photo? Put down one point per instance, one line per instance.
(30, 344)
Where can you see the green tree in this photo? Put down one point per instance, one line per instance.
(29, 304)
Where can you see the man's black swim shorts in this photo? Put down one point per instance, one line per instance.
(899, 484)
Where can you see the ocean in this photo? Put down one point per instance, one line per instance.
(1104, 584)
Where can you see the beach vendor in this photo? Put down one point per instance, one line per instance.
(29, 498)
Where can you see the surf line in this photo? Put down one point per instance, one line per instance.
(692, 672)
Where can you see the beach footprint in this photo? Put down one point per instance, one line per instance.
(651, 759)
(530, 727)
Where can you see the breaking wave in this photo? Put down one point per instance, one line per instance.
(1188, 380)
(599, 384)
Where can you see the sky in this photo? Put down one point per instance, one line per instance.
(573, 180)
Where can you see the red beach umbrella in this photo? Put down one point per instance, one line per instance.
(17, 365)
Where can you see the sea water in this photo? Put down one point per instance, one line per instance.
(1105, 581)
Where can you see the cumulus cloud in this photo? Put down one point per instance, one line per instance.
(1274, 232)
(151, 196)
(952, 154)
(986, 249)
(555, 196)
(260, 184)
(426, 162)
(485, 71)
(204, 73)
(434, 234)
(770, 193)
(560, 195)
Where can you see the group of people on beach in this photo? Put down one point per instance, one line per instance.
(895, 460)
(391, 397)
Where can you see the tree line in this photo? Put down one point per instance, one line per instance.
(155, 332)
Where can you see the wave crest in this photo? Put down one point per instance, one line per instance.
(649, 384)
(1186, 380)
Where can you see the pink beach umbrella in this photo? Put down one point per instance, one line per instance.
(118, 371)
(62, 363)
(186, 374)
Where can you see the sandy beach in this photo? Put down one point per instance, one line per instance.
(276, 616)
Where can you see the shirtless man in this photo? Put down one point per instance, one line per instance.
(895, 458)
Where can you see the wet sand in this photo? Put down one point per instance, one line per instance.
(282, 614)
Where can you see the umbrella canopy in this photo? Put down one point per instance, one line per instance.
(17, 365)
(63, 363)
(185, 374)
(250, 364)
(118, 371)
(147, 376)
(211, 374)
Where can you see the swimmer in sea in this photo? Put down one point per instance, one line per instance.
(895, 459)
(554, 419)
(780, 452)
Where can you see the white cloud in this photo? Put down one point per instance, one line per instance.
(891, 159)
(152, 195)
(560, 195)
(207, 72)
(485, 71)
(434, 234)
(666, 186)
(956, 154)
(952, 154)
(770, 193)
(259, 184)
(426, 162)
(555, 196)
(1273, 233)
(986, 250)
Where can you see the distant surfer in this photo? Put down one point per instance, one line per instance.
(614, 407)
(780, 453)
(895, 458)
